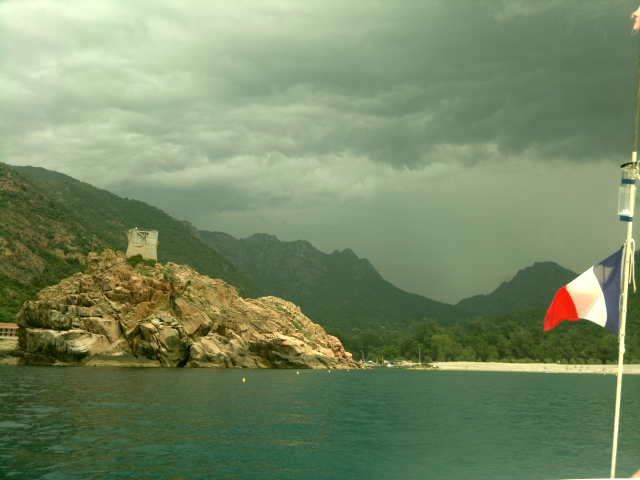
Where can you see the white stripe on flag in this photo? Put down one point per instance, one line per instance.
(588, 298)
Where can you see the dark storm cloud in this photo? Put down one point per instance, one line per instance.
(309, 118)
(387, 80)
(394, 81)
(214, 196)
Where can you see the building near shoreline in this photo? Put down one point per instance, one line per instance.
(8, 330)
(143, 243)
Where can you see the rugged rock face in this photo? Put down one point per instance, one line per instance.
(171, 315)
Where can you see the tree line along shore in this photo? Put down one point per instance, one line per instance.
(514, 338)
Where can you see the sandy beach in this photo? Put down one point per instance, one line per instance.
(632, 369)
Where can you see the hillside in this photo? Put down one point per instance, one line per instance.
(109, 216)
(40, 241)
(532, 287)
(49, 222)
(338, 289)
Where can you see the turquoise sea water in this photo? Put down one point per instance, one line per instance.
(103, 423)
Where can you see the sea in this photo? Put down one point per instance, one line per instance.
(128, 423)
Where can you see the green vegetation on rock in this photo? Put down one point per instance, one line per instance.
(136, 260)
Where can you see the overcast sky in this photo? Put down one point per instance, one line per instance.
(451, 142)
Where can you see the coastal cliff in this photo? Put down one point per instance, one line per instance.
(167, 315)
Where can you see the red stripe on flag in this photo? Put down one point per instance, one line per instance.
(562, 308)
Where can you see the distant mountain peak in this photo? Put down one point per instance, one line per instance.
(543, 264)
(347, 252)
(540, 269)
(531, 287)
(264, 237)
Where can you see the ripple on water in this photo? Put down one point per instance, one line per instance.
(9, 424)
(191, 424)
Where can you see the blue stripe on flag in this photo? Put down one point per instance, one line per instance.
(609, 274)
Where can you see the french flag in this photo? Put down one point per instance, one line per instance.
(593, 296)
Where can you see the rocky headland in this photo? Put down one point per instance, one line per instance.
(119, 312)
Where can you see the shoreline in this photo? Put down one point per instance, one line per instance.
(629, 369)
(493, 367)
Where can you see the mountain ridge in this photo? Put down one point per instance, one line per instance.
(338, 289)
(328, 285)
(531, 287)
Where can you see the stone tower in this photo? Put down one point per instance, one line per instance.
(143, 242)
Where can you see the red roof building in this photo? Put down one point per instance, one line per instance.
(8, 330)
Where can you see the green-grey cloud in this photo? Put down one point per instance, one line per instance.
(236, 114)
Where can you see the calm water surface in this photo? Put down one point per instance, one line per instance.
(102, 423)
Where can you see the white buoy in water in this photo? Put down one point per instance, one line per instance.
(244, 380)
(297, 372)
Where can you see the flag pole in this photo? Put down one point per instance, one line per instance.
(627, 258)
(631, 174)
